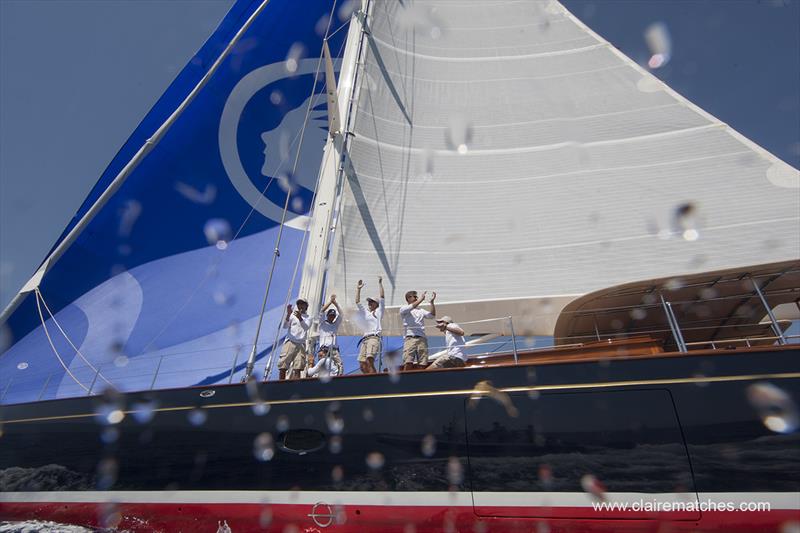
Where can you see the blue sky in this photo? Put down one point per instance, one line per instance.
(77, 76)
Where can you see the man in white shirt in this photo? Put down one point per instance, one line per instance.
(454, 339)
(370, 317)
(294, 347)
(415, 342)
(326, 366)
(329, 320)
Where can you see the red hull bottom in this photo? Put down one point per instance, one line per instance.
(242, 518)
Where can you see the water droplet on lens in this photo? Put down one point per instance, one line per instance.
(534, 394)
(545, 475)
(659, 42)
(638, 313)
(335, 422)
(368, 414)
(109, 435)
(265, 518)
(790, 527)
(455, 473)
(218, 232)
(263, 447)
(375, 460)
(282, 423)
(337, 474)
(276, 97)
(197, 416)
(260, 407)
(485, 388)
(593, 486)
(428, 445)
(296, 52)
(322, 24)
(144, 411)
(346, 9)
(121, 361)
(775, 407)
(22, 366)
(107, 473)
(459, 133)
(335, 444)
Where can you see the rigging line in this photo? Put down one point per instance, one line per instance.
(276, 253)
(47, 334)
(64, 333)
(270, 361)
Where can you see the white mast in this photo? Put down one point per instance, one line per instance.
(332, 170)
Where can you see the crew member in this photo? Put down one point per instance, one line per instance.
(294, 347)
(329, 321)
(415, 343)
(326, 365)
(454, 339)
(370, 318)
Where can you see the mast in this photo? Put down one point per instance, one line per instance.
(332, 173)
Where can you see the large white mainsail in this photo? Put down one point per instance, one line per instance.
(511, 159)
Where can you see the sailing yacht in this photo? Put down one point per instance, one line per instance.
(500, 152)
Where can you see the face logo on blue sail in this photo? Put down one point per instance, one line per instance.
(259, 134)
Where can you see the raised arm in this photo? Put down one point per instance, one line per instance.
(336, 305)
(453, 328)
(288, 315)
(433, 303)
(359, 286)
(380, 284)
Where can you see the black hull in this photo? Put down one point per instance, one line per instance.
(670, 425)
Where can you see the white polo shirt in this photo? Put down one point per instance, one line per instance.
(297, 328)
(327, 330)
(371, 322)
(455, 343)
(414, 320)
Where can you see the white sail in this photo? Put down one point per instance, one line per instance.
(511, 159)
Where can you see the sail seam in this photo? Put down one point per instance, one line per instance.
(495, 80)
(574, 244)
(505, 47)
(560, 174)
(544, 147)
(492, 58)
(526, 122)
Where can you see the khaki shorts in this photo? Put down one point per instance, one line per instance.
(415, 350)
(289, 353)
(447, 361)
(370, 347)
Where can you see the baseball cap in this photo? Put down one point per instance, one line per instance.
(445, 318)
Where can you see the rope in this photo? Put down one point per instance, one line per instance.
(64, 333)
(47, 334)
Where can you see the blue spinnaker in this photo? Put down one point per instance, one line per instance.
(170, 274)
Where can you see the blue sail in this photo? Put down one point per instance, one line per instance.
(169, 276)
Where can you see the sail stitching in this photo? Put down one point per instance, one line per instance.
(577, 244)
(493, 58)
(561, 174)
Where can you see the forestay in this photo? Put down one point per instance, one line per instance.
(510, 158)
